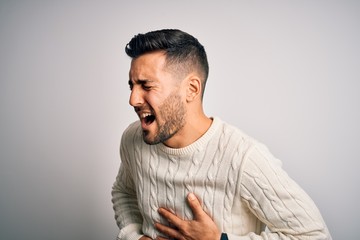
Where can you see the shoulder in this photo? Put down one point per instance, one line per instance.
(132, 133)
(133, 127)
(233, 133)
(249, 147)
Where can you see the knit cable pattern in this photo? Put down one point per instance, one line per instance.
(153, 165)
(194, 167)
(241, 186)
(276, 200)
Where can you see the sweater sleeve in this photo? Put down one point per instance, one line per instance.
(124, 199)
(277, 201)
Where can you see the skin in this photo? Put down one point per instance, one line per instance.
(157, 90)
(175, 100)
(202, 227)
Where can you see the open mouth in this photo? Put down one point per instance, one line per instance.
(148, 118)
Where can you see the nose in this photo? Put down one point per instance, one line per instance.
(136, 98)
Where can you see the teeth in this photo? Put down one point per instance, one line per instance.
(144, 115)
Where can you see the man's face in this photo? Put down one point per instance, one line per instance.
(157, 98)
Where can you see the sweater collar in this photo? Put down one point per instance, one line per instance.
(197, 145)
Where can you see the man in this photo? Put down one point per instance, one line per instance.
(184, 175)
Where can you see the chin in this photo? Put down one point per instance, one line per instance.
(148, 140)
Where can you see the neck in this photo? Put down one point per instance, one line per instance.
(195, 126)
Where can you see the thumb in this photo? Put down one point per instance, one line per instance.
(195, 205)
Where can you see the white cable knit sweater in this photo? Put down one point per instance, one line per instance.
(240, 183)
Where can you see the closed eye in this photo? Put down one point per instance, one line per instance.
(145, 84)
(145, 87)
(131, 85)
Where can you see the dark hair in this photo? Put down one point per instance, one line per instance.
(180, 48)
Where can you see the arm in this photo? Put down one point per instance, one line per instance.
(124, 199)
(274, 198)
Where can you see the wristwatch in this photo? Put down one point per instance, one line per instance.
(224, 236)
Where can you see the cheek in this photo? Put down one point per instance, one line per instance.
(185, 95)
(154, 101)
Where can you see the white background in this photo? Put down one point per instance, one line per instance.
(285, 72)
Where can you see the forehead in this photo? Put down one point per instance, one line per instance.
(147, 65)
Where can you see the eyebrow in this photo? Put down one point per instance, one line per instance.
(139, 81)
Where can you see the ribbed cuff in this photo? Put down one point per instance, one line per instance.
(130, 232)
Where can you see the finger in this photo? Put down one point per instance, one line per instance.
(195, 205)
(168, 231)
(170, 217)
(161, 238)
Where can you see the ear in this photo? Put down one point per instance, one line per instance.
(194, 88)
